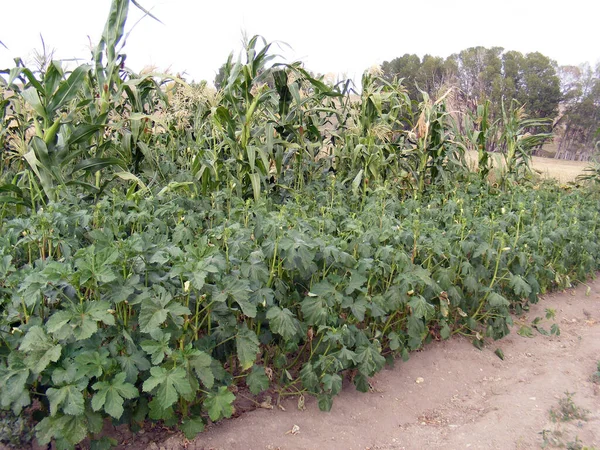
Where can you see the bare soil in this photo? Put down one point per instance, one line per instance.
(449, 396)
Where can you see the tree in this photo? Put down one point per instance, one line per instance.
(220, 77)
(580, 117)
(539, 90)
(434, 74)
(478, 71)
(406, 67)
(482, 75)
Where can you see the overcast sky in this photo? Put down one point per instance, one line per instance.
(328, 36)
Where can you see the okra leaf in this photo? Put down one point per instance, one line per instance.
(157, 349)
(519, 286)
(135, 362)
(497, 301)
(420, 308)
(247, 346)
(219, 404)
(191, 427)
(40, 349)
(369, 360)
(68, 397)
(314, 310)
(257, 380)
(111, 395)
(332, 383)
(308, 376)
(92, 364)
(169, 384)
(283, 322)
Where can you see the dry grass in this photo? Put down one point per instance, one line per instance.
(563, 171)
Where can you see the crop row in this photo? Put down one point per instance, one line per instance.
(155, 307)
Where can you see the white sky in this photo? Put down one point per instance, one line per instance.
(342, 37)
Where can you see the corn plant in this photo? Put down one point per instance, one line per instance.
(434, 148)
(264, 125)
(69, 121)
(374, 135)
(517, 139)
(592, 172)
(480, 134)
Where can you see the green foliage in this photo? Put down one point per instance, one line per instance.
(276, 235)
(219, 404)
(257, 380)
(578, 125)
(482, 74)
(267, 294)
(167, 385)
(112, 394)
(518, 139)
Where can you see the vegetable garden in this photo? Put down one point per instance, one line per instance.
(164, 246)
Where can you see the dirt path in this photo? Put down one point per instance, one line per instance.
(466, 399)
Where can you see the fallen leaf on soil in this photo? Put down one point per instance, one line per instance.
(269, 373)
(295, 430)
(420, 380)
(266, 404)
(301, 406)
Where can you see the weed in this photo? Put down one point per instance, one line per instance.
(577, 445)
(595, 377)
(567, 410)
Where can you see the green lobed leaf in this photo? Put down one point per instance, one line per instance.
(219, 404)
(201, 362)
(309, 378)
(14, 393)
(369, 360)
(315, 311)
(111, 395)
(134, 363)
(191, 427)
(257, 380)
(158, 349)
(167, 384)
(325, 402)
(332, 383)
(69, 398)
(40, 349)
(92, 364)
(519, 286)
(157, 307)
(495, 300)
(157, 412)
(420, 308)
(247, 346)
(283, 322)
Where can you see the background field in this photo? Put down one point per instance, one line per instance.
(562, 170)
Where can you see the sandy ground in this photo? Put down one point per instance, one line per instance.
(449, 396)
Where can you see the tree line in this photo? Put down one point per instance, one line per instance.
(569, 95)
